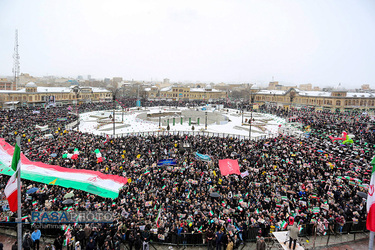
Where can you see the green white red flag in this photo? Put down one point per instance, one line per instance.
(158, 218)
(370, 224)
(93, 182)
(11, 187)
(99, 157)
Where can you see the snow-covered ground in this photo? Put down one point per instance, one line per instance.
(227, 121)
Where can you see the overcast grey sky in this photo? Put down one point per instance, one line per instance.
(323, 42)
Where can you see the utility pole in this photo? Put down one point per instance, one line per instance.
(16, 61)
(19, 212)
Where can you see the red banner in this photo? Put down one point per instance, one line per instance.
(228, 166)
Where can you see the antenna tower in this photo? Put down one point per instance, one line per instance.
(16, 62)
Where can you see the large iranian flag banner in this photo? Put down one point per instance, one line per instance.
(86, 180)
(370, 224)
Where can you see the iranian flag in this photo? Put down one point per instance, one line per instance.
(371, 200)
(284, 225)
(158, 218)
(73, 156)
(99, 157)
(93, 182)
(147, 172)
(106, 140)
(11, 187)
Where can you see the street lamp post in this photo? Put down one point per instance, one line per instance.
(252, 97)
(159, 118)
(114, 111)
(205, 124)
(292, 96)
(242, 114)
(251, 120)
(122, 114)
(76, 91)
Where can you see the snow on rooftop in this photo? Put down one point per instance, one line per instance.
(95, 89)
(54, 89)
(363, 95)
(166, 88)
(271, 92)
(314, 93)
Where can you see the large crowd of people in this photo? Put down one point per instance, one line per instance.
(311, 178)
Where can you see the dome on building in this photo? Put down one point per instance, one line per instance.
(31, 85)
(208, 87)
(339, 88)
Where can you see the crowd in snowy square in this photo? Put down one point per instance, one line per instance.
(311, 178)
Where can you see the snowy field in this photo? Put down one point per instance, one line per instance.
(224, 121)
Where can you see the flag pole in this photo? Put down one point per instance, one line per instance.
(371, 241)
(19, 212)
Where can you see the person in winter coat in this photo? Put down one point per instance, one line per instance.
(15, 246)
(261, 245)
(131, 240)
(91, 245)
(138, 242)
(230, 243)
(293, 235)
(58, 243)
(27, 242)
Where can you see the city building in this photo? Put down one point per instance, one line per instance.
(337, 99)
(306, 87)
(186, 93)
(25, 78)
(5, 84)
(166, 81)
(151, 92)
(33, 95)
(274, 85)
(365, 87)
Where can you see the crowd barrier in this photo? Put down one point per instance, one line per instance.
(193, 133)
(199, 239)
